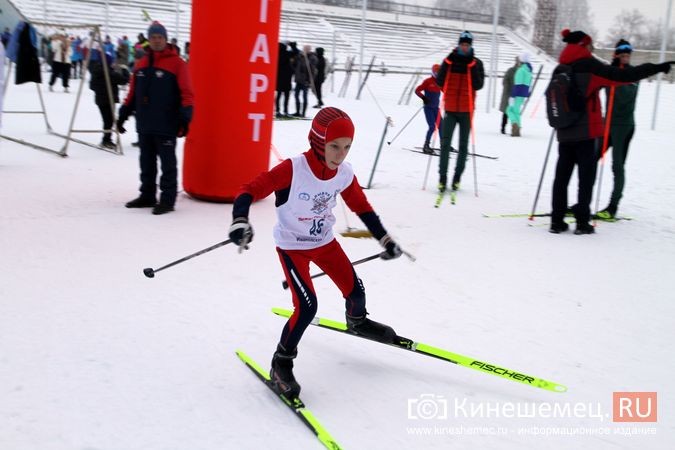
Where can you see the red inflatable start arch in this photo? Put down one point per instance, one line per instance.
(233, 62)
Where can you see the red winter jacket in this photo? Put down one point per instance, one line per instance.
(591, 75)
(453, 77)
(160, 92)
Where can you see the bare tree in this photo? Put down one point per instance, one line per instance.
(545, 31)
(653, 34)
(575, 15)
(629, 25)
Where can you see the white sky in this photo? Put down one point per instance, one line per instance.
(604, 11)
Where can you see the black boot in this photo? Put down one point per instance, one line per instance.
(162, 208)
(370, 329)
(426, 149)
(281, 374)
(558, 227)
(584, 228)
(141, 202)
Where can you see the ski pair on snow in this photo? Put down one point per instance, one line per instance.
(297, 406)
(441, 193)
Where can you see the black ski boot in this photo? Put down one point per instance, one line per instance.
(427, 149)
(370, 329)
(281, 374)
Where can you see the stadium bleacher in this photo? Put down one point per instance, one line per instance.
(399, 43)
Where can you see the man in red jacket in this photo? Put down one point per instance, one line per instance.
(160, 94)
(578, 143)
(459, 77)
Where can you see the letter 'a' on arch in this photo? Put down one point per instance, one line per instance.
(233, 65)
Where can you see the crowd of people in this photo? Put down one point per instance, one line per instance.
(307, 69)
(457, 79)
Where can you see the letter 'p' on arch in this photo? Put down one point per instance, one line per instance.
(233, 65)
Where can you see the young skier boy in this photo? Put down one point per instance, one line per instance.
(306, 189)
(430, 94)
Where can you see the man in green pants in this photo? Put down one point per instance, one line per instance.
(622, 127)
(459, 77)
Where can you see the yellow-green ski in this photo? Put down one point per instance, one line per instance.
(455, 358)
(296, 405)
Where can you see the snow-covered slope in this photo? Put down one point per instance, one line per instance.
(93, 355)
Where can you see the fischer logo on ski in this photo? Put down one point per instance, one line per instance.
(502, 371)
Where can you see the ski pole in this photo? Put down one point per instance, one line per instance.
(150, 273)
(605, 144)
(473, 134)
(404, 126)
(437, 132)
(534, 85)
(355, 263)
(541, 178)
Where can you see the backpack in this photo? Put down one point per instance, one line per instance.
(565, 104)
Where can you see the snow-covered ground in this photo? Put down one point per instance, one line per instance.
(93, 355)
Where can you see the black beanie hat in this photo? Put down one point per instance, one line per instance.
(623, 46)
(466, 36)
(575, 37)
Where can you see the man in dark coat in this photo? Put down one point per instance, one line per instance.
(320, 75)
(98, 84)
(305, 71)
(160, 93)
(284, 76)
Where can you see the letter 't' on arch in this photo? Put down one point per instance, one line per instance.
(233, 65)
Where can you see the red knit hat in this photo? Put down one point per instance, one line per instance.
(329, 124)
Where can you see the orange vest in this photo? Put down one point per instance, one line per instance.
(456, 96)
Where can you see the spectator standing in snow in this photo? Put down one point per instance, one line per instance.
(118, 76)
(305, 71)
(519, 92)
(320, 75)
(160, 94)
(76, 57)
(284, 77)
(507, 85)
(61, 60)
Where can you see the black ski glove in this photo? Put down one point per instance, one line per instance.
(391, 248)
(425, 100)
(122, 117)
(184, 119)
(241, 233)
(664, 67)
